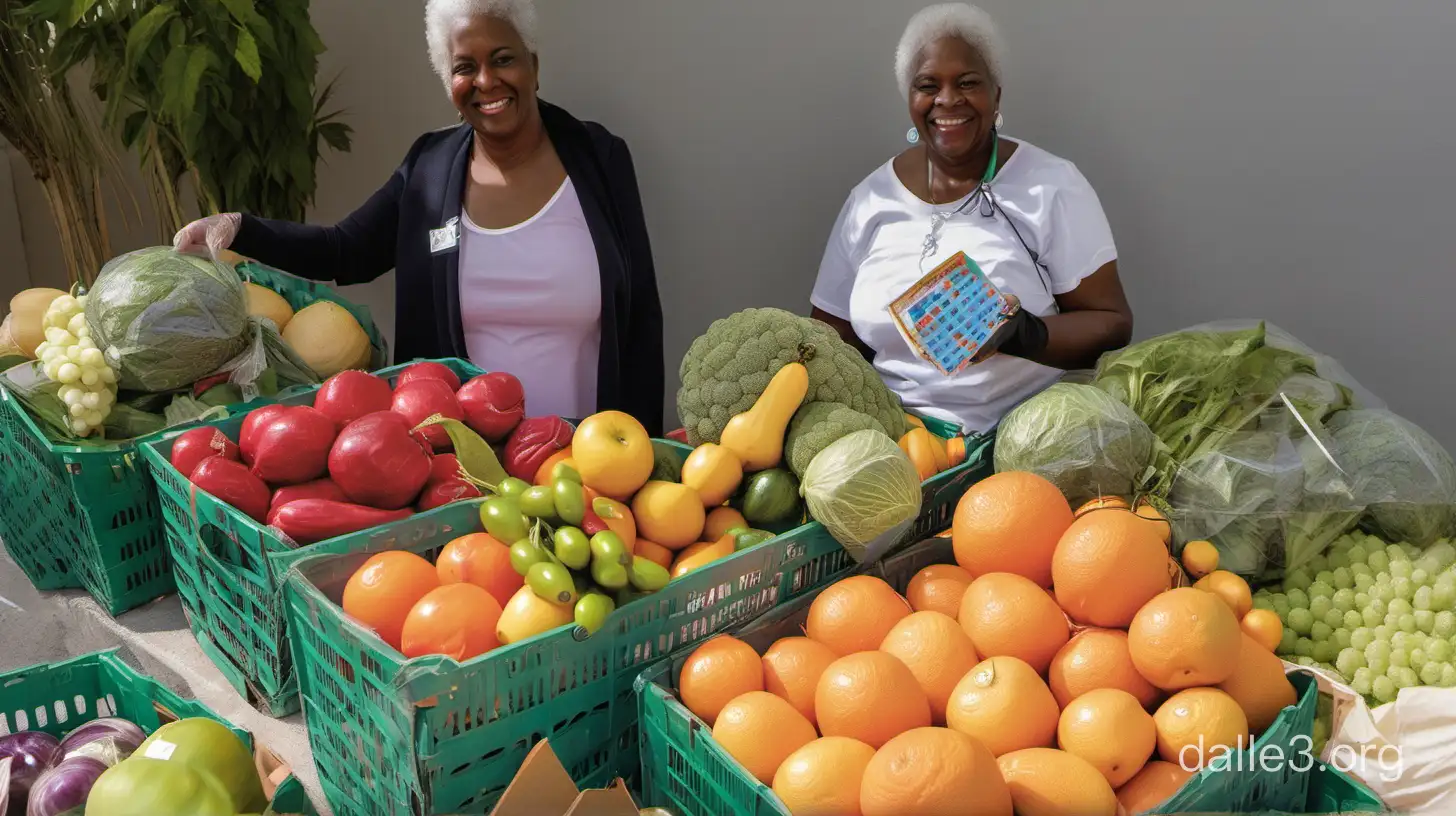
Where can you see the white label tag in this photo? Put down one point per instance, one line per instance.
(160, 749)
(446, 237)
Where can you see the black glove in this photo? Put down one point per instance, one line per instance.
(1022, 335)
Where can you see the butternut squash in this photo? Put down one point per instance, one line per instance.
(921, 447)
(914, 421)
(756, 436)
(27, 311)
(713, 471)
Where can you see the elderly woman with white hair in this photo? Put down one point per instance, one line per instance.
(1028, 219)
(518, 236)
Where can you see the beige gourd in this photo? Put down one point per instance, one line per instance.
(27, 313)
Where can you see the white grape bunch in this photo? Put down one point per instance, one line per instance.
(1383, 616)
(69, 357)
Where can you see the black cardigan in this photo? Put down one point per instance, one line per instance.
(392, 231)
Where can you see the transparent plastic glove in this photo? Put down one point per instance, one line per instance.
(208, 236)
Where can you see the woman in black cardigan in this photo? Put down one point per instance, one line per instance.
(497, 229)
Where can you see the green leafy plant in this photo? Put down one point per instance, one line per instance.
(59, 137)
(218, 92)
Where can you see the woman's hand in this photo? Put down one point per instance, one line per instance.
(208, 236)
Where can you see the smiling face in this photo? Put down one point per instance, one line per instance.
(953, 100)
(493, 77)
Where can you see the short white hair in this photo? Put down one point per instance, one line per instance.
(960, 20)
(440, 15)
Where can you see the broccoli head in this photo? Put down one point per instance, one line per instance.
(729, 366)
(818, 425)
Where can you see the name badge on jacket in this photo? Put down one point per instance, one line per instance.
(446, 237)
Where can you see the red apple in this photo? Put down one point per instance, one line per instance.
(494, 404)
(348, 395)
(428, 371)
(421, 399)
(532, 443)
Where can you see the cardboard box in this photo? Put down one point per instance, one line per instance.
(542, 787)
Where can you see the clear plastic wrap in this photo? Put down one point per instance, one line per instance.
(1264, 447)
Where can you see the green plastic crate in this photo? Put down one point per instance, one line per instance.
(230, 569)
(433, 736)
(1333, 791)
(78, 517)
(684, 770)
(57, 697)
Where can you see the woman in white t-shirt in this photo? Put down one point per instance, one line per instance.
(1027, 218)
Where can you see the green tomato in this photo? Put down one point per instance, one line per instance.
(503, 519)
(647, 575)
(525, 555)
(537, 502)
(512, 487)
(564, 471)
(749, 539)
(569, 501)
(552, 582)
(609, 574)
(592, 611)
(572, 547)
(608, 548)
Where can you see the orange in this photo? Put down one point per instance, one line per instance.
(720, 521)
(668, 513)
(1010, 522)
(715, 673)
(1004, 704)
(1106, 566)
(937, 651)
(654, 552)
(1264, 626)
(381, 593)
(1259, 685)
(1231, 588)
(1183, 638)
(931, 772)
(823, 777)
(855, 614)
(1154, 784)
(1102, 503)
(528, 614)
(1110, 729)
(870, 696)
(1095, 659)
(481, 560)
(543, 473)
(792, 667)
(1199, 725)
(1199, 558)
(761, 730)
(1158, 521)
(714, 472)
(938, 588)
(1007, 614)
(455, 620)
(701, 554)
(1048, 782)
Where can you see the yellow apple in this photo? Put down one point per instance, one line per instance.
(613, 454)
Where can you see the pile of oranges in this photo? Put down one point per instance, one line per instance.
(1053, 668)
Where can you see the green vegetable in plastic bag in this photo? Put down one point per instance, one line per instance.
(1079, 438)
(865, 491)
(1406, 477)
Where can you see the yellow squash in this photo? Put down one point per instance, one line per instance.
(756, 436)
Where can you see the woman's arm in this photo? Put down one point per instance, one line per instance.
(1095, 318)
(643, 386)
(358, 249)
(846, 331)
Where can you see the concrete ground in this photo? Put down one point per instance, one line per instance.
(43, 627)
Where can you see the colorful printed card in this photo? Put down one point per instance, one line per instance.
(950, 314)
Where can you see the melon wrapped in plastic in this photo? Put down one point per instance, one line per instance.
(865, 491)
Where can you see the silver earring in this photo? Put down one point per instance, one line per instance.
(913, 136)
(999, 121)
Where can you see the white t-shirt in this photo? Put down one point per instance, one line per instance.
(874, 256)
(531, 304)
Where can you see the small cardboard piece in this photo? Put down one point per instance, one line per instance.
(542, 787)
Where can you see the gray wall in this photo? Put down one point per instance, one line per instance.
(1290, 160)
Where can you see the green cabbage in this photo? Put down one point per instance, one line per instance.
(865, 491)
(1079, 438)
(1405, 477)
(165, 320)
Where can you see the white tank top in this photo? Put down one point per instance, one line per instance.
(531, 304)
